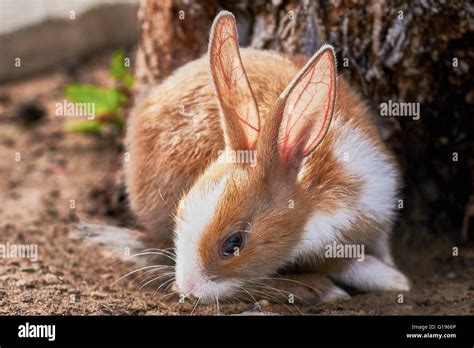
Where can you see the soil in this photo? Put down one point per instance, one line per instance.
(71, 277)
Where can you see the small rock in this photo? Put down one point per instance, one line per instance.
(31, 230)
(76, 294)
(26, 299)
(109, 288)
(98, 294)
(33, 284)
(50, 279)
(27, 284)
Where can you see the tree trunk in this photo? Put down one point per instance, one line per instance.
(389, 50)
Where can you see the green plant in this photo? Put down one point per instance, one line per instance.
(107, 102)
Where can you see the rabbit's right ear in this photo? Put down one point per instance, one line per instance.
(237, 102)
(307, 108)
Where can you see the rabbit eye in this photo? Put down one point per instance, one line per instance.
(232, 245)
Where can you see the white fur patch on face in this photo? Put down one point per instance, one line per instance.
(197, 209)
(377, 199)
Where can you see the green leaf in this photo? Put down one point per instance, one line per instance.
(107, 101)
(119, 71)
(90, 127)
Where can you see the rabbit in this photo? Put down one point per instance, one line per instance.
(252, 164)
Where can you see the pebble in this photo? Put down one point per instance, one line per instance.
(27, 284)
(98, 294)
(26, 299)
(50, 279)
(75, 293)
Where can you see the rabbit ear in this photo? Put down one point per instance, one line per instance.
(237, 101)
(308, 106)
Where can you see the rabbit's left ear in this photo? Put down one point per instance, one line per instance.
(308, 106)
(239, 109)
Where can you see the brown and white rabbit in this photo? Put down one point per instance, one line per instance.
(321, 174)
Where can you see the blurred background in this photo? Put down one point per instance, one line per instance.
(57, 170)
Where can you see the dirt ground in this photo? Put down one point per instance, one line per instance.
(72, 278)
